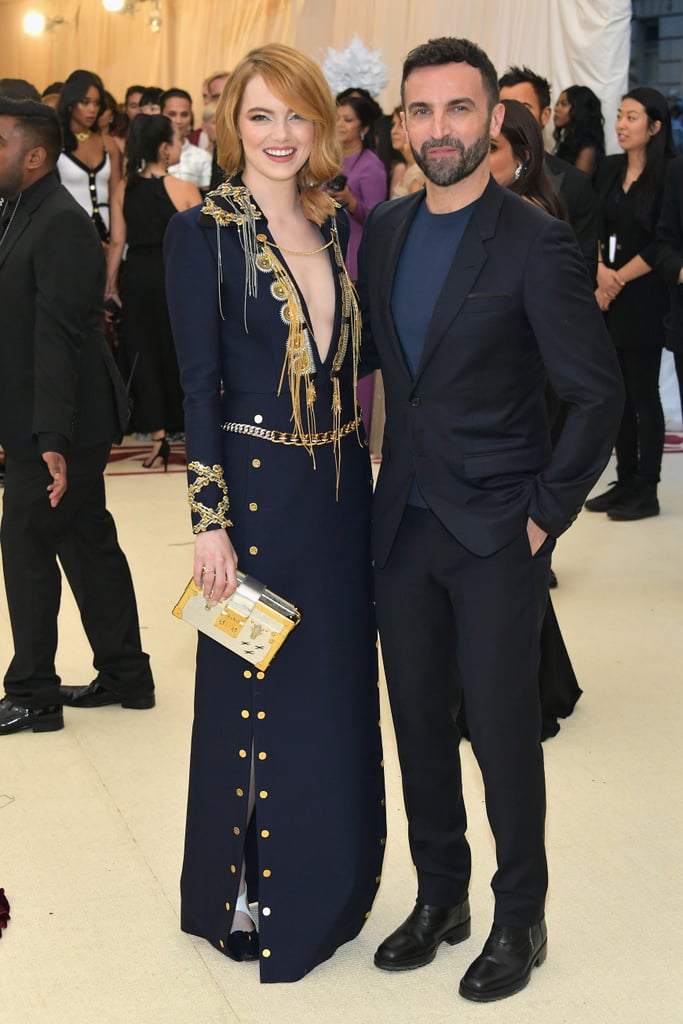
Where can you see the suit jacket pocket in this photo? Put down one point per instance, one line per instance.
(519, 461)
(488, 302)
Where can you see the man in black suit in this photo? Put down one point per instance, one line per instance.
(61, 405)
(470, 297)
(574, 186)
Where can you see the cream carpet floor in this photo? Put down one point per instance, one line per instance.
(91, 818)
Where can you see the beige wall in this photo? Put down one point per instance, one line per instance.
(570, 41)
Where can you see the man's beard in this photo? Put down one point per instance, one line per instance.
(447, 170)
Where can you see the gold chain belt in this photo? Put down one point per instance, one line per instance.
(282, 437)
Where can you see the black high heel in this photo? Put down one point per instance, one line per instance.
(243, 946)
(163, 453)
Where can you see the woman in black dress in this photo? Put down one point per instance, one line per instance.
(285, 803)
(142, 206)
(633, 297)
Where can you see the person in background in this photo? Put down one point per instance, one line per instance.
(50, 95)
(517, 162)
(286, 766)
(194, 164)
(62, 404)
(90, 166)
(669, 262)
(633, 296)
(110, 122)
(131, 105)
(579, 133)
(531, 89)
(209, 127)
(142, 206)
(150, 101)
(362, 184)
(18, 89)
(408, 176)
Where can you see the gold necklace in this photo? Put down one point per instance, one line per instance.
(83, 136)
(293, 252)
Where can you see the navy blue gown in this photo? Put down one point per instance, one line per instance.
(316, 840)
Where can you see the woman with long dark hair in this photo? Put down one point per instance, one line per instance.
(633, 297)
(579, 128)
(90, 166)
(142, 206)
(517, 160)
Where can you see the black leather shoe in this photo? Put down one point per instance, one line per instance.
(14, 718)
(97, 696)
(415, 943)
(505, 964)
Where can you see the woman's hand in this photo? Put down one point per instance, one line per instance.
(215, 565)
(602, 300)
(346, 196)
(609, 282)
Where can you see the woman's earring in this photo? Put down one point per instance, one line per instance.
(519, 170)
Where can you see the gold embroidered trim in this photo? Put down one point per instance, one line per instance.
(208, 516)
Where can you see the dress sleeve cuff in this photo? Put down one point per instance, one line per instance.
(214, 515)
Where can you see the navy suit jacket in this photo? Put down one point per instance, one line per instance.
(471, 427)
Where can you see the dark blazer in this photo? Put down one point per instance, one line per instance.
(669, 251)
(471, 427)
(577, 191)
(57, 376)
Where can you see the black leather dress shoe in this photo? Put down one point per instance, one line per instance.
(97, 696)
(505, 964)
(14, 718)
(415, 943)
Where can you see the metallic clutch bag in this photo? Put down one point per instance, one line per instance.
(253, 623)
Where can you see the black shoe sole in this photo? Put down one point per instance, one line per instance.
(53, 724)
(455, 935)
(507, 990)
(136, 703)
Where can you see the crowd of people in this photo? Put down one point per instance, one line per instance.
(258, 271)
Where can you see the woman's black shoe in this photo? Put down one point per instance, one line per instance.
(242, 946)
(162, 452)
(618, 492)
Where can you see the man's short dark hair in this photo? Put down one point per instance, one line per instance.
(448, 50)
(518, 76)
(38, 123)
(181, 94)
(18, 89)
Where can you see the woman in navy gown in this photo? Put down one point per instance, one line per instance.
(286, 800)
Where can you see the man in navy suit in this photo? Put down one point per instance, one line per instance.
(471, 298)
(62, 403)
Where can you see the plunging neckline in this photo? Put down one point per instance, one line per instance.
(302, 301)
